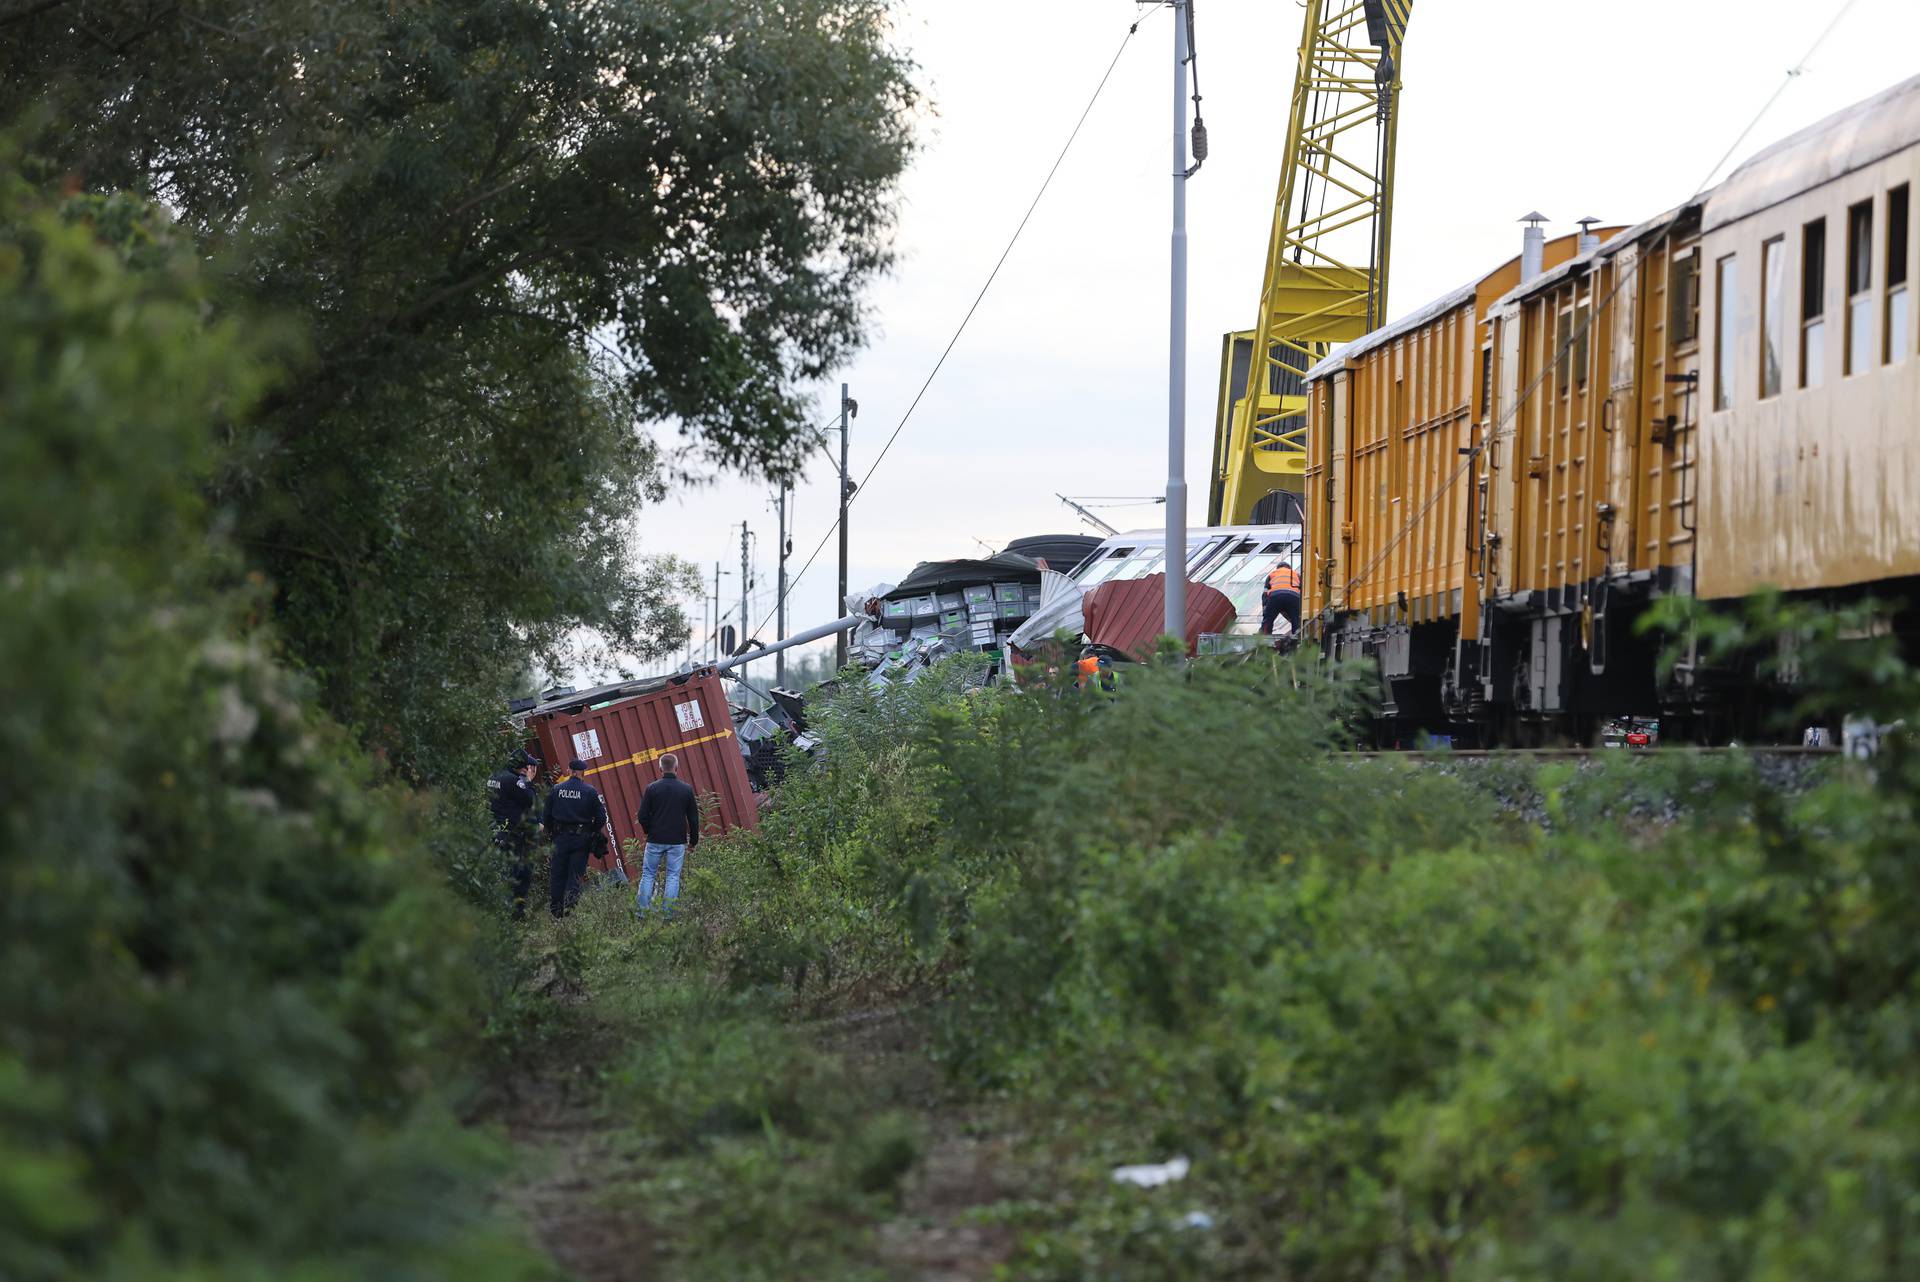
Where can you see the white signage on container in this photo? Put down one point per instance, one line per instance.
(689, 715)
(586, 745)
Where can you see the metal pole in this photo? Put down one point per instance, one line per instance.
(840, 602)
(1090, 518)
(780, 609)
(713, 633)
(745, 583)
(1176, 615)
(798, 638)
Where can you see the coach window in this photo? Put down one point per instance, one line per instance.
(1726, 297)
(1859, 286)
(1773, 318)
(1899, 316)
(1683, 299)
(1813, 303)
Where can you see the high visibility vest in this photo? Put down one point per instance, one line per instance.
(1087, 671)
(1283, 578)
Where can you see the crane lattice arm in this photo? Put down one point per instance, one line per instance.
(1326, 271)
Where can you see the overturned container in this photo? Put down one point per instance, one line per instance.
(622, 730)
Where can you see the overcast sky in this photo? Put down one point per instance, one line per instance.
(1059, 383)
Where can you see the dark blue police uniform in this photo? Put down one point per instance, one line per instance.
(575, 815)
(510, 800)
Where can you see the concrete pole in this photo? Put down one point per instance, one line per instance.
(798, 638)
(713, 632)
(840, 602)
(780, 586)
(745, 584)
(1176, 613)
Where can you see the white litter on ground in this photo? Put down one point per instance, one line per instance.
(1153, 1174)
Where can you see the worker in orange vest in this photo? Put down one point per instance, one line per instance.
(1282, 597)
(1091, 673)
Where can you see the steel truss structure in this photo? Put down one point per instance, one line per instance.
(1327, 256)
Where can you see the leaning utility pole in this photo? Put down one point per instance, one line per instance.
(1176, 602)
(847, 409)
(780, 586)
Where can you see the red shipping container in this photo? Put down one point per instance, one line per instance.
(1129, 614)
(635, 724)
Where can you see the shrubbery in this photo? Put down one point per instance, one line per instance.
(231, 984)
(1401, 1031)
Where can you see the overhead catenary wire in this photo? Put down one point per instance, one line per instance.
(973, 307)
(1576, 333)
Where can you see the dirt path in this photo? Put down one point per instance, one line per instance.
(567, 1158)
(966, 1164)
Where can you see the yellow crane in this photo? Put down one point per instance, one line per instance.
(1326, 272)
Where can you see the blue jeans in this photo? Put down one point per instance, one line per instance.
(650, 867)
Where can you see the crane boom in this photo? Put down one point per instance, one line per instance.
(1326, 270)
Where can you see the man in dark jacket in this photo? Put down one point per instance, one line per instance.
(575, 815)
(670, 817)
(510, 799)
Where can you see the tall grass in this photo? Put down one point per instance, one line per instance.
(1400, 1030)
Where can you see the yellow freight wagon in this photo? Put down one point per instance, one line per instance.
(1724, 398)
(1390, 505)
(1577, 466)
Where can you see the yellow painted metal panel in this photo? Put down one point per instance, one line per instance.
(1556, 486)
(1412, 416)
(1325, 506)
(1663, 498)
(1498, 458)
(1620, 278)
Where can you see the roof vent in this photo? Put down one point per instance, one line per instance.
(1588, 241)
(1533, 246)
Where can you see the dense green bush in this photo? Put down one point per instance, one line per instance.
(229, 981)
(1655, 1019)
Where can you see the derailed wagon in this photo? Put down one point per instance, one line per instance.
(622, 730)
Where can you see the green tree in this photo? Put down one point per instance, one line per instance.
(509, 229)
(228, 980)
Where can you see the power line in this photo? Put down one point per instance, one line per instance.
(1793, 73)
(1504, 428)
(1086, 111)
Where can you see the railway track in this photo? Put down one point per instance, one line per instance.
(1542, 754)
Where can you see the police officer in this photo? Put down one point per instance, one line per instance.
(510, 799)
(575, 815)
